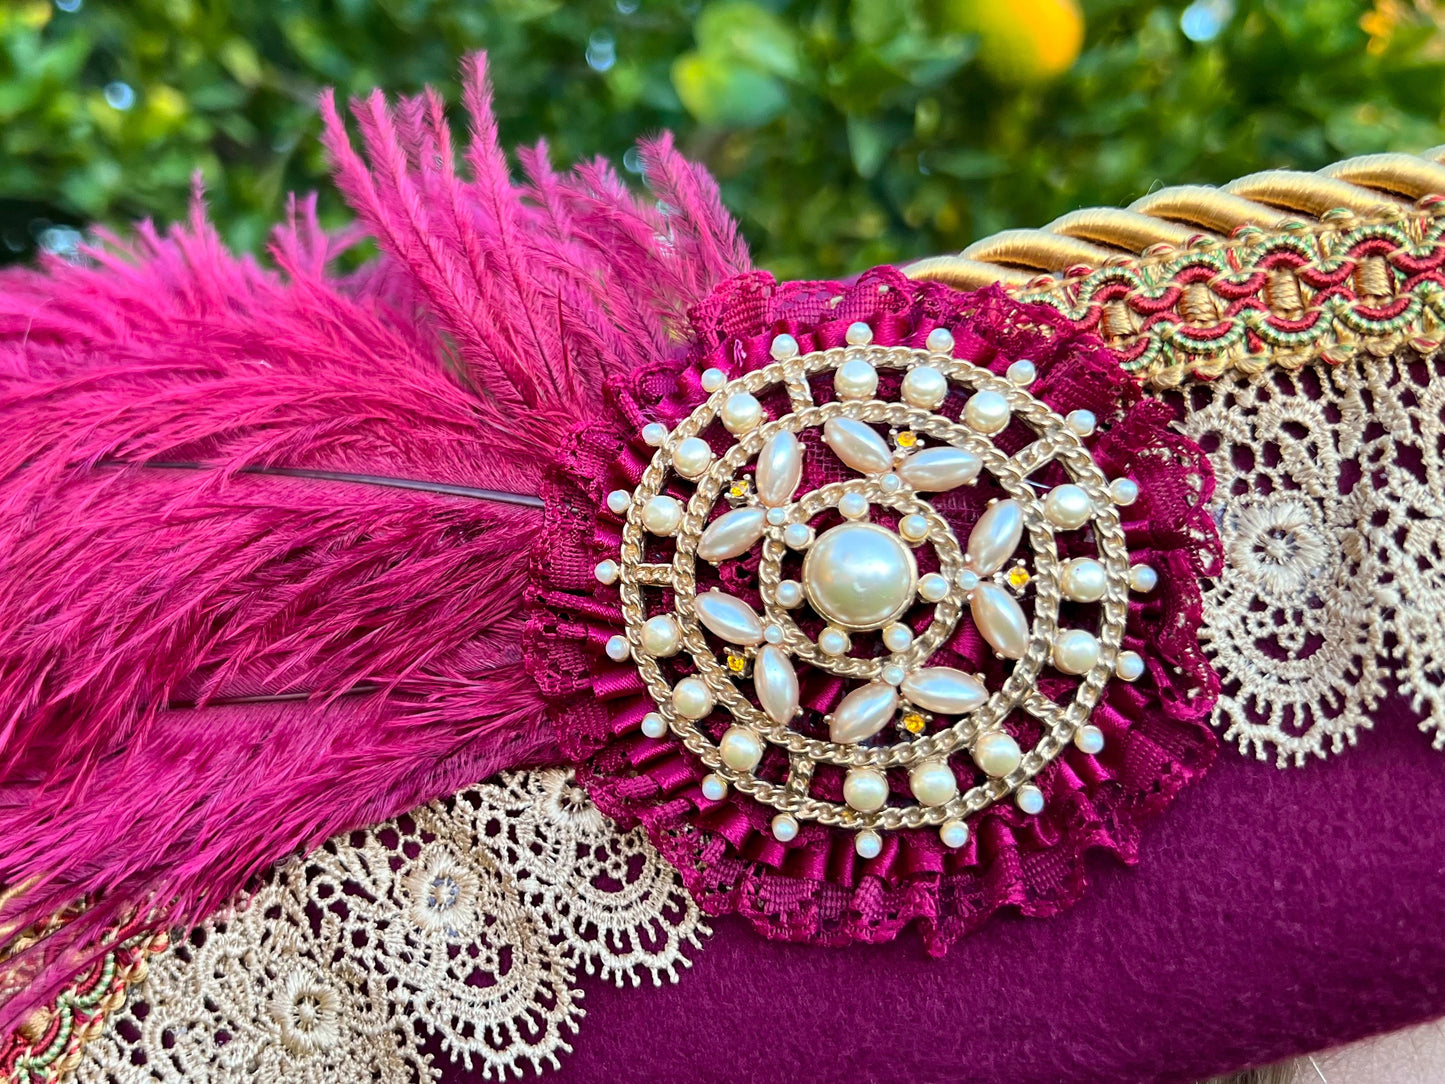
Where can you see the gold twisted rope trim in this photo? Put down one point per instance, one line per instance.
(1276, 268)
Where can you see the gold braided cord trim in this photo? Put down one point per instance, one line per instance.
(1277, 268)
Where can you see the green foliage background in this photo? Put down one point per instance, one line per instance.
(845, 132)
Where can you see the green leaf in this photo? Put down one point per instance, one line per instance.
(868, 144)
(748, 34)
(725, 95)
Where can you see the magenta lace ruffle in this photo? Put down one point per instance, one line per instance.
(816, 888)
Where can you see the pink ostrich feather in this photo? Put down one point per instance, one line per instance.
(265, 531)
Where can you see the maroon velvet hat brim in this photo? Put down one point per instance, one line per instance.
(1272, 913)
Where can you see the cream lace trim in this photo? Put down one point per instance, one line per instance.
(461, 925)
(1331, 504)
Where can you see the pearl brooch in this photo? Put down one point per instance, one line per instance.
(843, 598)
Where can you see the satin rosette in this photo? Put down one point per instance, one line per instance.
(878, 603)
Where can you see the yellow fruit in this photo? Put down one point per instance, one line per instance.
(1020, 41)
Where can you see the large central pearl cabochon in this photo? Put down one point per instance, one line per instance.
(860, 576)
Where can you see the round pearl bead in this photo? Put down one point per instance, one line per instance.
(662, 515)
(860, 576)
(784, 347)
(691, 698)
(853, 506)
(785, 827)
(1129, 665)
(913, 527)
(712, 379)
(865, 789)
(997, 753)
(1124, 491)
(654, 725)
(833, 641)
(968, 579)
(741, 412)
(661, 636)
(933, 587)
(691, 457)
(789, 594)
(924, 387)
(1089, 739)
(1068, 506)
(618, 501)
(606, 572)
(654, 433)
(893, 674)
(933, 782)
(1083, 579)
(1075, 651)
(1143, 579)
(940, 340)
(953, 834)
(868, 843)
(1022, 373)
(773, 634)
(798, 536)
(714, 787)
(987, 411)
(1030, 799)
(891, 483)
(855, 379)
(859, 334)
(1082, 422)
(897, 637)
(740, 748)
(777, 516)
(618, 649)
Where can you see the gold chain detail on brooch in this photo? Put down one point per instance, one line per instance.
(1277, 268)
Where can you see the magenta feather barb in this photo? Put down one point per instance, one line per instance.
(265, 530)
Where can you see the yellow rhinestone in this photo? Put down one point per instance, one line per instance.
(737, 663)
(914, 723)
(739, 488)
(906, 439)
(1018, 577)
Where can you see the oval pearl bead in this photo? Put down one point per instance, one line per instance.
(860, 576)
(691, 457)
(857, 445)
(1075, 651)
(731, 534)
(933, 783)
(728, 618)
(995, 537)
(740, 748)
(1000, 619)
(1068, 506)
(1083, 579)
(776, 683)
(945, 690)
(987, 411)
(662, 515)
(863, 713)
(855, 379)
(996, 753)
(661, 636)
(924, 387)
(937, 470)
(691, 698)
(865, 789)
(741, 412)
(780, 468)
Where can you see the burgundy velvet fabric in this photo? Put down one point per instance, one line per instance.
(1272, 913)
